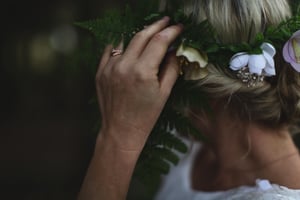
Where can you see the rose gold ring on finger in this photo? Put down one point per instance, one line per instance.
(116, 52)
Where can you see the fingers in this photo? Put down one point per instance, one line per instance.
(169, 74)
(157, 47)
(149, 48)
(105, 58)
(141, 39)
(109, 57)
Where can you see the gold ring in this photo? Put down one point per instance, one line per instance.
(116, 52)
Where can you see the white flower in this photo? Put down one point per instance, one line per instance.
(193, 62)
(260, 64)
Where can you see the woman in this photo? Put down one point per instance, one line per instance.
(250, 155)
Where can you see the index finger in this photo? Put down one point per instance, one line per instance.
(159, 44)
(140, 40)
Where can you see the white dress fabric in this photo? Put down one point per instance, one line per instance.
(177, 186)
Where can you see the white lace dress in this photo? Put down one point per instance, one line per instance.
(177, 186)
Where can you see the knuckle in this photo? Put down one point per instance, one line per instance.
(160, 37)
(142, 77)
(141, 34)
(139, 75)
(117, 72)
(121, 63)
(120, 71)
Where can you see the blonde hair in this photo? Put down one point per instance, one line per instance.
(238, 20)
(276, 101)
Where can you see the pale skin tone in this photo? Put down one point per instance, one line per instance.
(240, 153)
(132, 90)
(131, 96)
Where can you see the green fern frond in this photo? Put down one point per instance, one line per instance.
(158, 164)
(163, 137)
(165, 154)
(112, 27)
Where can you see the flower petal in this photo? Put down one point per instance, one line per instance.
(269, 48)
(296, 66)
(296, 48)
(290, 49)
(195, 73)
(288, 53)
(269, 70)
(192, 55)
(239, 61)
(257, 63)
(270, 65)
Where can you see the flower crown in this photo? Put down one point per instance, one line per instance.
(199, 46)
(251, 62)
(250, 67)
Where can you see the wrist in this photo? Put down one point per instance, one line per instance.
(111, 167)
(122, 139)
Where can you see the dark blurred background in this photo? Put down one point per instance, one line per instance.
(47, 119)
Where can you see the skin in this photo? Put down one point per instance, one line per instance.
(132, 91)
(239, 153)
(129, 87)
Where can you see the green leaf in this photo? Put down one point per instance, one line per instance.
(152, 17)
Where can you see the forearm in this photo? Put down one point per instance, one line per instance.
(110, 171)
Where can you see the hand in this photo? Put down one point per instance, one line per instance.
(131, 88)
